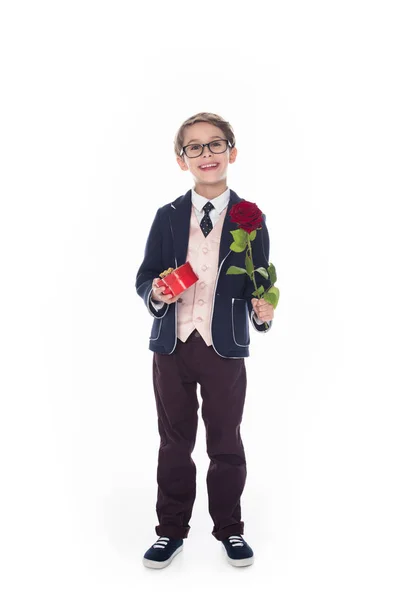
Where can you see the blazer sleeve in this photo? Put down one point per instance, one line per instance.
(260, 252)
(156, 305)
(150, 268)
(259, 322)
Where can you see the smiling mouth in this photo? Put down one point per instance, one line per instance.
(209, 168)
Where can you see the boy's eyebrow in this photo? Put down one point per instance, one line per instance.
(213, 136)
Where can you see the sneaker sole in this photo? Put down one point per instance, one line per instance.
(242, 562)
(160, 564)
(238, 562)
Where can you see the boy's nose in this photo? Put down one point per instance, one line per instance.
(206, 150)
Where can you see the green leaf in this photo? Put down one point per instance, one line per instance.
(263, 271)
(252, 235)
(236, 248)
(235, 271)
(272, 296)
(249, 265)
(272, 273)
(240, 237)
(259, 291)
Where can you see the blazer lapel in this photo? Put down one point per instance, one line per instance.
(179, 218)
(228, 225)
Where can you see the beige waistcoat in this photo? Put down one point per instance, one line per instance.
(194, 312)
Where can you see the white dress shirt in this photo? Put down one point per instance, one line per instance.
(220, 202)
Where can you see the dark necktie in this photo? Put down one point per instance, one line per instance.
(206, 223)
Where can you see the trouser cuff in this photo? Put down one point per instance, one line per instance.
(172, 531)
(234, 529)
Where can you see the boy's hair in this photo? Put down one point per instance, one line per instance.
(204, 117)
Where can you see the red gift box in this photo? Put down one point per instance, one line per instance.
(179, 280)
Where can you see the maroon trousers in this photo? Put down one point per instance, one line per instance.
(222, 388)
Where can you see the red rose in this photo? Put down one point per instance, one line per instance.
(247, 215)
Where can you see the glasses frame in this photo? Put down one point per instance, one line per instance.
(228, 145)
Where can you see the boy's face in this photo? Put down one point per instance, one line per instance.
(202, 133)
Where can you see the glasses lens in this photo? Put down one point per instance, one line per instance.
(193, 150)
(217, 147)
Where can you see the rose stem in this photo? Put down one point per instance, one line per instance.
(253, 277)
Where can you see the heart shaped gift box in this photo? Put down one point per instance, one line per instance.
(179, 280)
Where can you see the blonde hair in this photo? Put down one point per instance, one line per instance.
(204, 117)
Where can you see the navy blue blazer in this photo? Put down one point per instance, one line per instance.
(167, 246)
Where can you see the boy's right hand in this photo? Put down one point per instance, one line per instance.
(158, 295)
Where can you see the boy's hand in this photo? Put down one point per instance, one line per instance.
(263, 309)
(158, 295)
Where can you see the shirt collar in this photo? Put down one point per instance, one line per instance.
(220, 202)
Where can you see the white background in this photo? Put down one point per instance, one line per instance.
(92, 96)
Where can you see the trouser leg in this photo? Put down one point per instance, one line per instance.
(223, 388)
(177, 405)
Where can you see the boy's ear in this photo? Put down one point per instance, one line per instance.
(232, 154)
(182, 163)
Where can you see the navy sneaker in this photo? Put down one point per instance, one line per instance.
(160, 554)
(239, 553)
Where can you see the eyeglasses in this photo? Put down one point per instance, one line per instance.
(216, 147)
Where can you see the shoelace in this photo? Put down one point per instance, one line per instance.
(236, 540)
(161, 542)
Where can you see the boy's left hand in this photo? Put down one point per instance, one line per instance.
(263, 309)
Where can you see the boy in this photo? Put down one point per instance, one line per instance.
(201, 336)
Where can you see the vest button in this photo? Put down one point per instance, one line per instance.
(205, 250)
(201, 302)
(204, 267)
(202, 285)
(199, 319)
